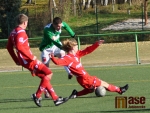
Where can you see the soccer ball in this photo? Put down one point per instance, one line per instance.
(100, 91)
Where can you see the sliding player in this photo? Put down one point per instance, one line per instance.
(72, 61)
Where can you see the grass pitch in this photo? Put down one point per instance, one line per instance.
(17, 87)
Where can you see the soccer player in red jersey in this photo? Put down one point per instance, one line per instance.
(23, 56)
(72, 60)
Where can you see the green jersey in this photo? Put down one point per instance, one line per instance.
(49, 32)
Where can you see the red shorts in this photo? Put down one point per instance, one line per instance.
(89, 82)
(37, 68)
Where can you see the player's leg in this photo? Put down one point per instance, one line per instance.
(45, 57)
(92, 82)
(76, 93)
(41, 75)
(95, 82)
(45, 84)
(113, 88)
(88, 84)
(46, 94)
(46, 60)
(110, 87)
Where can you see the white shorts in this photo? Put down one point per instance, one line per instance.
(55, 50)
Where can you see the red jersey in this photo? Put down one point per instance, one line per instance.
(18, 40)
(75, 66)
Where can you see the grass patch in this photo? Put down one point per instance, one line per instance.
(17, 87)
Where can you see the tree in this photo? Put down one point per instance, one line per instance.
(9, 9)
(145, 11)
(29, 2)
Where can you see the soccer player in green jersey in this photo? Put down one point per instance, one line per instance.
(51, 41)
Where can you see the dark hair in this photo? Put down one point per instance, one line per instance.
(57, 21)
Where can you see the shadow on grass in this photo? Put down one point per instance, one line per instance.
(5, 101)
(30, 107)
(17, 100)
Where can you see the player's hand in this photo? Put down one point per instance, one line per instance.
(18, 63)
(100, 42)
(34, 58)
(74, 36)
(51, 55)
(70, 75)
(54, 38)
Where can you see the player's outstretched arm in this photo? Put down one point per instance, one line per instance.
(59, 61)
(68, 29)
(91, 48)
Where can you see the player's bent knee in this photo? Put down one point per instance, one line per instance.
(91, 90)
(104, 84)
(50, 75)
(45, 61)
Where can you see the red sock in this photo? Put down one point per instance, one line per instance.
(42, 87)
(45, 84)
(52, 92)
(84, 92)
(113, 88)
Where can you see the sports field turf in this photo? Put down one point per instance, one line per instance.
(16, 89)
